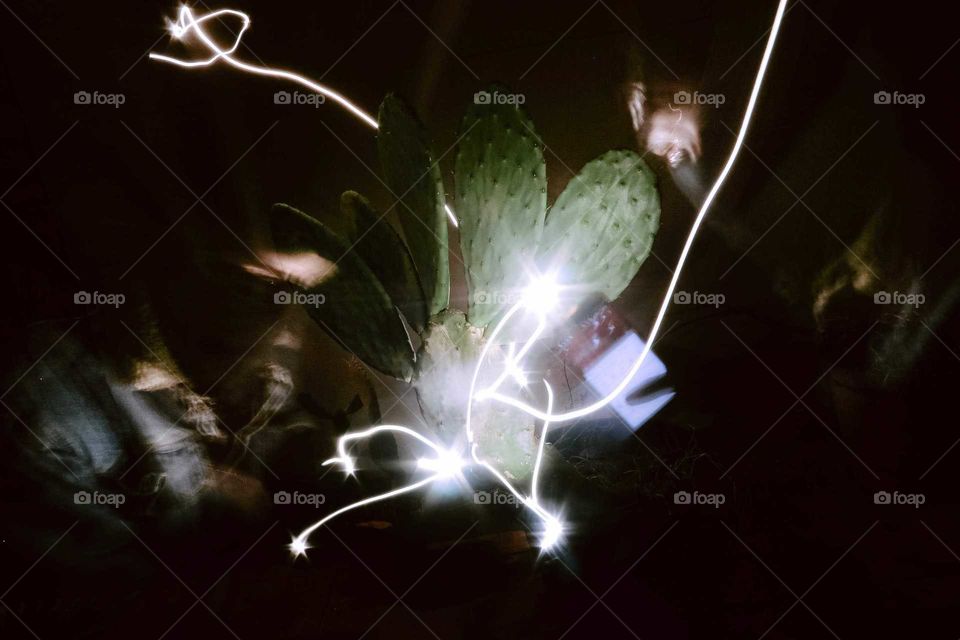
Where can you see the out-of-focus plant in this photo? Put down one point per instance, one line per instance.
(595, 237)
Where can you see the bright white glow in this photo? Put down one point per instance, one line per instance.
(298, 547)
(538, 299)
(453, 218)
(542, 294)
(447, 464)
(187, 23)
(552, 533)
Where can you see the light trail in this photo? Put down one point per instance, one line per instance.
(187, 23)
(668, 296)
(347, 461)
(538, 299)
(298, 546)
(446, 465)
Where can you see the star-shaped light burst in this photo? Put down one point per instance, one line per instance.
(298, 547)
(552, 533)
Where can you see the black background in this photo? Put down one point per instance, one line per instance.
(800, 520)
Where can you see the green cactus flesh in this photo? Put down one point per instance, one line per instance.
(356, 311)
(501, 199)
(413, 176)
(381, 248)
(601, 228)
(451, 351)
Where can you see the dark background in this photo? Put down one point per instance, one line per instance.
(799, 549)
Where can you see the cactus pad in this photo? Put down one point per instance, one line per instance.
(384, 252)
(601, 228)
(501, 199)
(412, 175)
(451, 351)
(356, 311)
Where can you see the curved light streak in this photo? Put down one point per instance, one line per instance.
(681, 261)
(188, 23)
(298, 546)
(346, 460)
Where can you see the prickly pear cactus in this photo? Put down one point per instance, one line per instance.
(601, 228)
(413, 176)
(501, 200)
(381, 248)
(596, 236)
(450, 355)
(354, 309)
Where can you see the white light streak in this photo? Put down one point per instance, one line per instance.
(668, 296)
(299, 544)
(543, 439)
(187, 23)
(538, 299)
(512, 366)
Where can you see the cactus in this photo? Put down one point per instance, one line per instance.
(501, 200)
(449, 356)
(381, 248)
(601, 228)
(413, 176)
(596, 236)
(356, 309)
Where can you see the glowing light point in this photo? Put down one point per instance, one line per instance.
(298, 547)
(344, 461)
(447, 464)
(176, 31)
(542, 294)
(552, 533)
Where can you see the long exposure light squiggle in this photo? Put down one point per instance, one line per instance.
(445, 465)
(187, 23)
(538, 299)
(721, 178)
